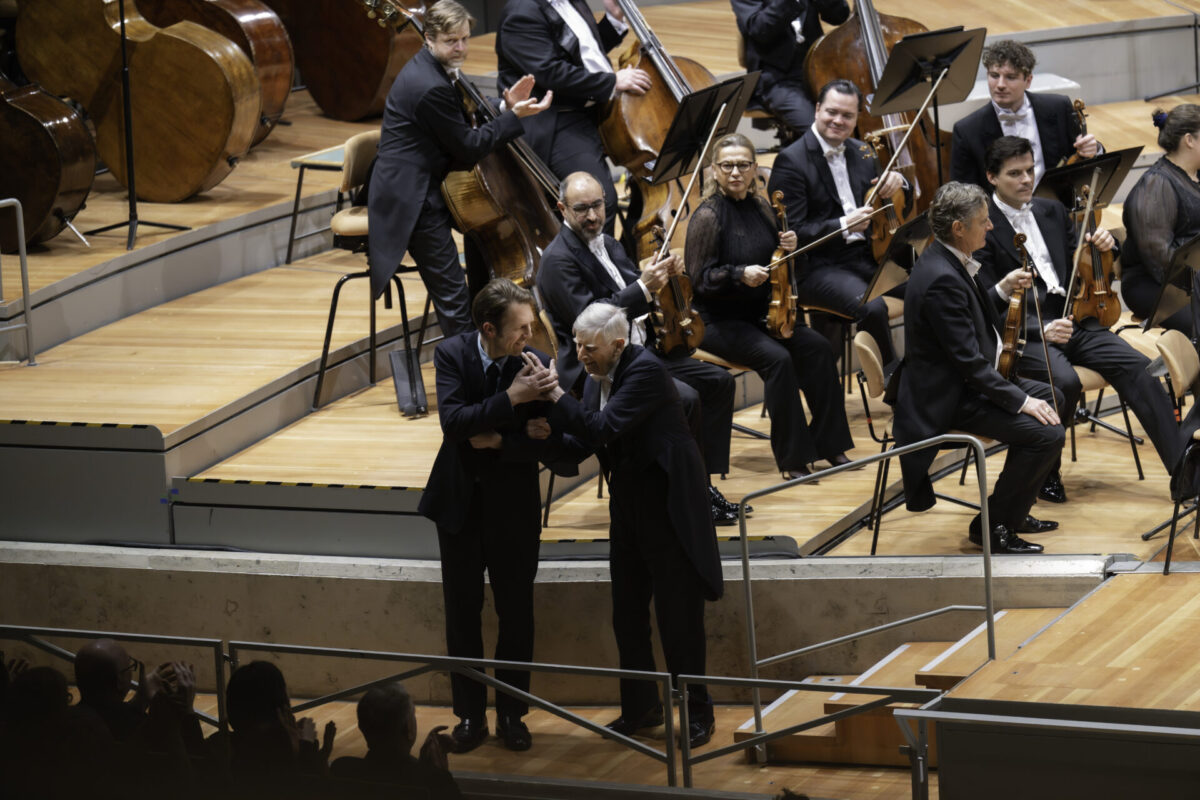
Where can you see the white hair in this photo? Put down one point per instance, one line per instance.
(602, 319)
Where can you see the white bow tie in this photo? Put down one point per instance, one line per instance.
(834, 152)
(1008, 117)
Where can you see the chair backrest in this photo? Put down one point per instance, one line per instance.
(1182, 362)
(869, 358)
(360, 149)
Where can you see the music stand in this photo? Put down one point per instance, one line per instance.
(717, 108)
(913, 235)
(127, 114)
(1065, 184)
(947, 59)
(1179, 287)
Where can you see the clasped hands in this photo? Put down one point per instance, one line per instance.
(535, 381)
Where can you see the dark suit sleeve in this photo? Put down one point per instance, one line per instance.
(567, 291)
(460, 418)
(527, 43)
(965, 164)
(440, 115)
(795, 178)
(766, 21)
(947, 302)
(644, 387)
(835, 12)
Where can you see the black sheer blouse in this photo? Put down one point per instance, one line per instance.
(725, 236)
(1161, 213)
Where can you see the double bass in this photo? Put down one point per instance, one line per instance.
(857, 50)
(194, 94)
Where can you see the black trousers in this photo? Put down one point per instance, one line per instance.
(715, 388)
(1033, 450)
(1122, 366)
(803, 363)
(432, 248)
(842, 288)
(791, 101)
(509, 554)
(647, 563)
(1140, 292)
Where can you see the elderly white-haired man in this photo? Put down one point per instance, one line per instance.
(662, 543)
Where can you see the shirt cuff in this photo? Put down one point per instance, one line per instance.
(618, 26)
(645, 291)
(1028, 400)
(1005, 296)
(846, 234)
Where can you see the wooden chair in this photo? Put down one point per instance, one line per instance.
(1183, 365)
(1093, 381)
(350, 232)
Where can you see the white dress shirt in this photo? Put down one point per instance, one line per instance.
(836, 156)
(637, 332)
(1035, 244)
(1022, 123)
(594, 57)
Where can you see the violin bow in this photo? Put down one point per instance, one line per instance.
(817, 242)
(1019, 242)
(900, 147)
(1081, 243)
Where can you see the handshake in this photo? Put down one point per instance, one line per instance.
(534, 382)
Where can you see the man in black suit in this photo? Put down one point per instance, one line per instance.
(949, 379)
(1047, 120)
(562, 46)
(425, 134)
(484, 495)
(777, 35)
(1050, 235)
(825, 177)
(662, 543)
(584, 265)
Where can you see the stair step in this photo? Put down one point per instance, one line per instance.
(1013, 627)
(898, 668)
(795, 707)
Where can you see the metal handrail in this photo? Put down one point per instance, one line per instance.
(985, 524)
(26, 310)
(32, 636)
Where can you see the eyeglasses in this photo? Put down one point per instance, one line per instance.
(584, 208)
(728, 166)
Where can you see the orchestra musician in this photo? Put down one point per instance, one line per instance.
(1050, 242)
(489, 388)
(560, 43)
(662, 543)
(825, 176)
(730, 240)
(1048, 121)
(583, 265)
(1161, 213)
(777, 36)
(949, 379)
(424, 135)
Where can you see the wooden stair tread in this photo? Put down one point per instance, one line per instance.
(795, 707)
(897, 668)
(1013, 627)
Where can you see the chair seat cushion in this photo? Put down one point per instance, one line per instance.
(350, 222)
(1090, 379)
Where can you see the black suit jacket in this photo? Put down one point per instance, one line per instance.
(425, 135)
(464, 412)
(1057, 127)
(802, 173)
(640, 427)
(532, 39)
(949, 351)
(570, 278)
(771, 46)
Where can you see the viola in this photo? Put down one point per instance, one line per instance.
(255, 29)
(857, 50)
(194, 95)
(1012, 338)
(782, 311)
(47, 162)
(1093, 271)
(348, 63)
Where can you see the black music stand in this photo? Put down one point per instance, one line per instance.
(698, 113)
(909, 240)
(1180, 286)
(946, 59)
(1065, 184)
(127, 114)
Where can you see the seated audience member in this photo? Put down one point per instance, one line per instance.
(388, 721)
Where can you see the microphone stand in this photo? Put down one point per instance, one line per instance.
(127, 113)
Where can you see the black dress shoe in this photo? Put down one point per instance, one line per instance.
(514, 732)
(842, 458)
(1052, 490)
(651, 719)
(721, 516)
(719, 501)
(1032, 524)
(792, 474)
(1004, 540)
(469, 733)
(700, 731)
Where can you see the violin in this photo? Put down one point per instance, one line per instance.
(47, 162)
(255, 29)
(884, 226)
(1012, 338)
(195, 99)
(1081, 118)
(858, 50)
(781, 314)
(1093, 270)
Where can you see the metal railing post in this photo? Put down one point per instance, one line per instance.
(26, 308)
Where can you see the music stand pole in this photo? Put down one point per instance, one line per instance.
(127, 112)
